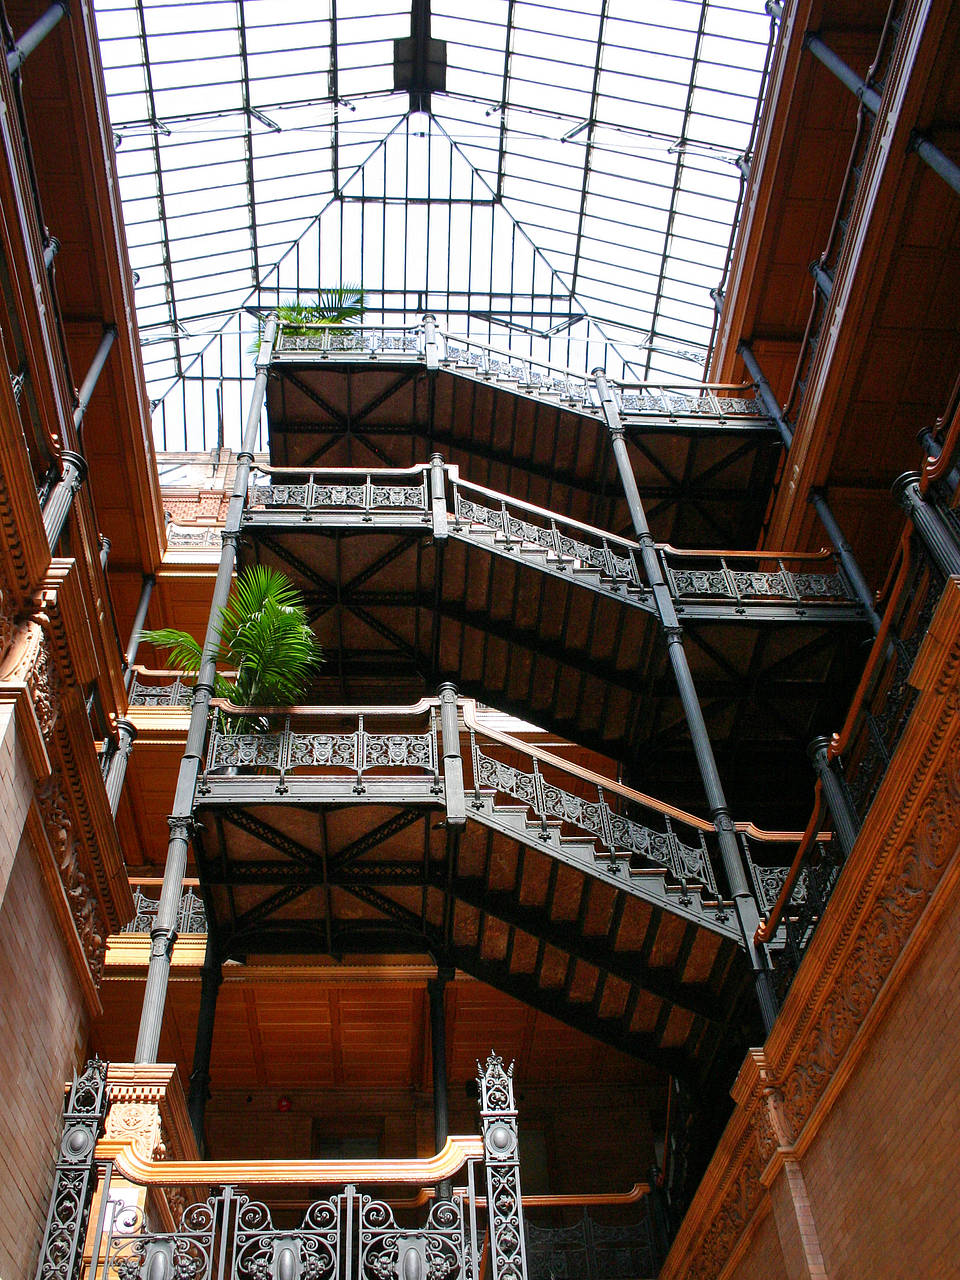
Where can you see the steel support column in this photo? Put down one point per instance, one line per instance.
(117, 769)
(935, 533)
(748, 915)
(822, 279)
(34, 34)
(164, 933)
(93, 374)
(765, 392)
(937, 161)
(136, 631)
(436, 989)
(845, 821)
(211, 976)
(848, 560)
(105, 545)
(60, 498)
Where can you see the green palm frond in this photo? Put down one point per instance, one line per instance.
(182, 650)
(265, 637)
(340, 306)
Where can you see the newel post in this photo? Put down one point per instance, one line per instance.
(498, 1122)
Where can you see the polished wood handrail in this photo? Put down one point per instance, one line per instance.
(768, 927)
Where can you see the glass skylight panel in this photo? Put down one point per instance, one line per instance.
(263, 151)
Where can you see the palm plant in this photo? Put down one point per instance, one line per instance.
(342, 305)
(265, 638)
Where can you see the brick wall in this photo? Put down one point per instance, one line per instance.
(42, 1024)
(881, 1173)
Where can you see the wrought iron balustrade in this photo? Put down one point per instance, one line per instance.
(885, 698)
(720, 405)
(591, 1250)
(349, 749)
(795, 898)
(160, 689)
(571, 545)
(348, 1235)
(191, 917)
(746, 578)
(362, 492)
(703, 583)
(351, 340)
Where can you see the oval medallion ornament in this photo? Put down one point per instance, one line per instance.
(500, 1137)
(159, 1268)
(287, 1268)
(412, 1266)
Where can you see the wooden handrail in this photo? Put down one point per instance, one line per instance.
(768, 927)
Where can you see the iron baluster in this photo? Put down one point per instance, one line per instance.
(475, 760)
(361, 757)
(608, 838)
(730, 579)
(434, 754)
(283, 762)
(540, 801)
(75, 1176)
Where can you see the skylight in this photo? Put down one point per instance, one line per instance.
(579, 162)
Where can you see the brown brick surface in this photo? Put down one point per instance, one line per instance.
(42, 1029)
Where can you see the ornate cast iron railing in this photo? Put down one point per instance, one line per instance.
(884, 697)
(347, 1235)
(721, 405)
(591, 1250)
(738, 581)
(861, 756)
(191, 917)
(160, 689)
(398, 755)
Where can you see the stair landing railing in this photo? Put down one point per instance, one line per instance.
(228, 1234)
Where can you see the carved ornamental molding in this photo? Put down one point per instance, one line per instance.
(907, 853)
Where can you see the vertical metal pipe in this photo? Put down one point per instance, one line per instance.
(33, 36)
(50, 251)
(93, 374)
(105, 545)
(765, 392)
(60, 498)
(431, 344)
(716, 297)
(935, 533)
(845, 821)
(847, 559)
(452, 760)
(211, 976)
(436, 989)
(748, 914)
(136, 631)
(117, 768)
(164, 933)
(438, 497)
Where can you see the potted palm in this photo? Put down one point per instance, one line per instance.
(333, 308)
(265, 638)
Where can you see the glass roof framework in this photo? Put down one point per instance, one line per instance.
(580, 162)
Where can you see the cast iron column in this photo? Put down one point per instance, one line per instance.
(765, 392)
(436, 988)
(60, 498)
(845, 821)
(93, 375)
(847, 558)
(748, 915)
(935, 533)
(211, 975)
(136, 631)
(164, 933)
(117, 769)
